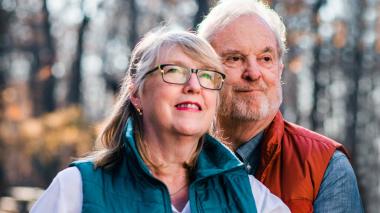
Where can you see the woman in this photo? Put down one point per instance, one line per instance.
(157, 156)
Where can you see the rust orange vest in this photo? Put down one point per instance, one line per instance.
(293, 162)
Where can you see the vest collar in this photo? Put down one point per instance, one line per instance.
(271, 145)
(215, 158)
(131, 144)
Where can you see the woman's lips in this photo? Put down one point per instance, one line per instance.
(192, 106)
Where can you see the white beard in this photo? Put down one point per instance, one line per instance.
(249, 108)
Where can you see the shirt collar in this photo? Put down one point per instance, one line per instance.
(246, 149)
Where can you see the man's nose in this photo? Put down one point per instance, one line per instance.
(252, 70)
(192, 85)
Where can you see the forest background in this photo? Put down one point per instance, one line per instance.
(61, 63)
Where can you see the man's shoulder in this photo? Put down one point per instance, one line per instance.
(292, 132)
(304, 134)
(304, 138)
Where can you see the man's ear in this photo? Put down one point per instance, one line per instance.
(281, 69)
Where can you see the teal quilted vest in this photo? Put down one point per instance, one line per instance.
(220, 183)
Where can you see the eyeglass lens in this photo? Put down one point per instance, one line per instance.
(179, 75)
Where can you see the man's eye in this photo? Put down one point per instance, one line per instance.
(267, 58)
(234, 58)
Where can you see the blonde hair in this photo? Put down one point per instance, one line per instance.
(144, 57)
(227, 11)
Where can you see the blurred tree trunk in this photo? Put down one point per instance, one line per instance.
(316, 118)
(2, 145)
(50, 81)
(74, 94)
(203, 9)
(34, 83)
(2, 148)
(42, 82)
(133, 14)
(353, 68)
(4, 24)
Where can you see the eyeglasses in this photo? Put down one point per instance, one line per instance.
(174, 74)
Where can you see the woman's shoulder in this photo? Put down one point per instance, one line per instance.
(87, 169)
(63, 195)
(66, 181)
(83, 164)
(70, 172)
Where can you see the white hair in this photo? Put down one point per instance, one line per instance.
(147, 51)
(227, 11)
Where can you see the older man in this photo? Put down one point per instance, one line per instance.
(308, 171)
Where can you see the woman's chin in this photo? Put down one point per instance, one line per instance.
(194, 131)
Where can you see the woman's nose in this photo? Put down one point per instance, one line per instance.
(192, 85)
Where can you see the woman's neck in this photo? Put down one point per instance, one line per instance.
(170, 153)
(169, 149)
(177, 182)
(176, 178)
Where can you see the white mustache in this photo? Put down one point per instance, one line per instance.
(258, 86)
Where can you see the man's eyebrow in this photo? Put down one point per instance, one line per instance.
(268, 50)
(229, 52)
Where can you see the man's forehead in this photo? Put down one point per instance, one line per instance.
(226, 49)
(245, 38)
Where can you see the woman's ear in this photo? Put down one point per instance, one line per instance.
(136, 101)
